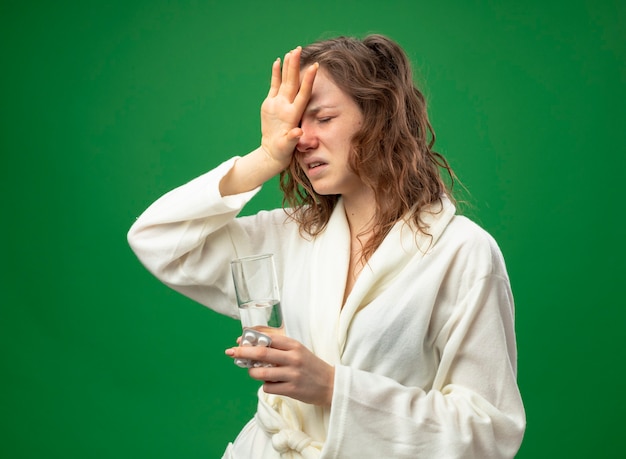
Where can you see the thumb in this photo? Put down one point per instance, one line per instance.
(295, 133)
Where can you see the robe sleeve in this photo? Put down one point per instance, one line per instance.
(473, 410)
(188, 237)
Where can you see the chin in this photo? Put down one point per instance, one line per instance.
(325, 191)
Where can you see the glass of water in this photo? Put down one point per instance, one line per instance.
(257, 293)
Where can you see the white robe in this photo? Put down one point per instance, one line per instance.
(423, 348)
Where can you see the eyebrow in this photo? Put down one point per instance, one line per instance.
(318, 108)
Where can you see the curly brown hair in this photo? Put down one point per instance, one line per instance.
(393, 151)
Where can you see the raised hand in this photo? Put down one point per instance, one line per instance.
(295, 372)
(281, 113)
(282, 110)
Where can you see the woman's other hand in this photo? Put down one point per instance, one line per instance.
(294, 372)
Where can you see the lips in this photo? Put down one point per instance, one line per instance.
(312, 161)
(314, 167)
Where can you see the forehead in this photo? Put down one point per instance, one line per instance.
(325, 92)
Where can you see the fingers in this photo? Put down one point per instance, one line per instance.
(275, 82)
(290, 83)
(283, 343)
(295, 134)
(283, 108)
(259, 354)
(293, 370)
(306, 87)
(286, 62)
(280, 76)
(286, 80)
(274, 354)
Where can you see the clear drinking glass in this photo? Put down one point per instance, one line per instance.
(257, 293)
(258, 299)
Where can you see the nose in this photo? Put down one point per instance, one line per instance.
(308, 141)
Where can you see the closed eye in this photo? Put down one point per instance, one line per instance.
(324, 120)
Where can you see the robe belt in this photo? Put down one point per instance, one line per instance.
(279, 418)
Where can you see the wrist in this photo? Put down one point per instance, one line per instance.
(250, 172)
(331, 388)
(274, 159)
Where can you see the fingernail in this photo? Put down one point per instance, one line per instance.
(229, 352)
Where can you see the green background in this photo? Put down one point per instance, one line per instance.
(107, 105)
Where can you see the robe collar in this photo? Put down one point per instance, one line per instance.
(330, 321)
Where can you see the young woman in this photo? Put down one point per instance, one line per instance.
(399, 316)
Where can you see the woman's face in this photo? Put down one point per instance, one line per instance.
(329, 122)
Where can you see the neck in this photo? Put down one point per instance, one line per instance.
(360, 211)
